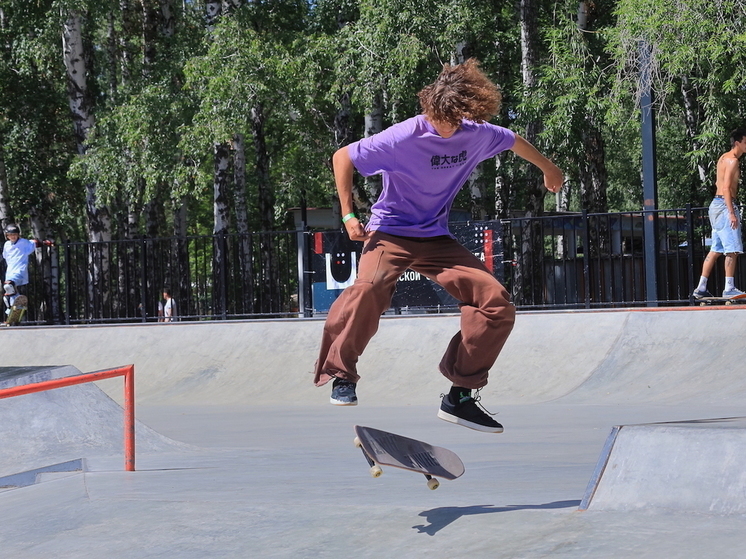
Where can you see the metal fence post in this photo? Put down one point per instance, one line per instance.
(649, 177)
(586, 259)
(305, 281)
(224, 275)
(143, 282)
(690, 247)
(68, 285)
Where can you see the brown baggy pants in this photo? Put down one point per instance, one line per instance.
(486, 314)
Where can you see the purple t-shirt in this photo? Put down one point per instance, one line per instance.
(422, 172)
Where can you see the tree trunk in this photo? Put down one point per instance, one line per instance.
(6, 214)
(373, 125)
(502, 190)
(529, 274)
(76, 55)
(694, 115)
(150, 28)
(266, 203)
(81, 107)
(112, 57)
(167, 20)
(242, 221)
(221, 218)
(593, 181)
(592, 169)
(48, 307)
(343, 135)
(155, 212)
(180, 284)
(239, 184)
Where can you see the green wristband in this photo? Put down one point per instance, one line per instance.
(348, 217)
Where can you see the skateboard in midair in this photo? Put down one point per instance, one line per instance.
(382, 448)
(704, 301)
(17, 310)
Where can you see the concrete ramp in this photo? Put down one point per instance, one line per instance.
(63, 424)
(696, 466)
(242, 362)
(574, 357)
(669, 357)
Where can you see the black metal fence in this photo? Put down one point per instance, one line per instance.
(608, 260)
(558, 261)
(209, 277)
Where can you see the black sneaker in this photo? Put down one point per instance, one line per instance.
(343, 393)
(468, 414)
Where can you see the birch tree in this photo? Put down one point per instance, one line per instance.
(76, 56)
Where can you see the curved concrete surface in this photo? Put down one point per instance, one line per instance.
(271, 470)
(593, 357)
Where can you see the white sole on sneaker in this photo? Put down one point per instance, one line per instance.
(445, 416)
(338, 403)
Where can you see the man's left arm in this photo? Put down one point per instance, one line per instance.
(553, 178)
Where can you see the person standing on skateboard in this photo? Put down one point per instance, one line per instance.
(725, 218)
(425, 161)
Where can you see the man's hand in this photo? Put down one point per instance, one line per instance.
(355, 230)
(553, 179)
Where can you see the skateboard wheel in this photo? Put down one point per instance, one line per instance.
(357, 442)
(433, 484)
(376, 471)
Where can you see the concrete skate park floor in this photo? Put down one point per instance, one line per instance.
(265, 467)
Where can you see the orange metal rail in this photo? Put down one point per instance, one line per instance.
(128, 372)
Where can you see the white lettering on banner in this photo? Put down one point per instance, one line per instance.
(410, 275)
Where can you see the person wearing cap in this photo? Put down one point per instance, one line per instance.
(16, 252)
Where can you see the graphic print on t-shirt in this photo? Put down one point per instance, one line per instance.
(448, 161)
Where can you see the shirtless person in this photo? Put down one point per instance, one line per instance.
(725, 218)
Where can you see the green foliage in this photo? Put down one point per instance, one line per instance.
(702, 41)
(305, 63)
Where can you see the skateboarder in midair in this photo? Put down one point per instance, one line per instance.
(425, 161)
(725, 218)
(16, 252)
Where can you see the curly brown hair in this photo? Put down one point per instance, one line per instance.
(461, 92)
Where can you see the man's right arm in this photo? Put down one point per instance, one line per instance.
(343, 173)
(553, 178)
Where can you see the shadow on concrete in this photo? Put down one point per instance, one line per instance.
(443, 516)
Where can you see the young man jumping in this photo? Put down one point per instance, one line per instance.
(425, 161)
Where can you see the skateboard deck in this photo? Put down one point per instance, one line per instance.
(382, 448)
(17, 310)
(722, 300)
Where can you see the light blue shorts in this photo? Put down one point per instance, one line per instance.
(725, 239)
